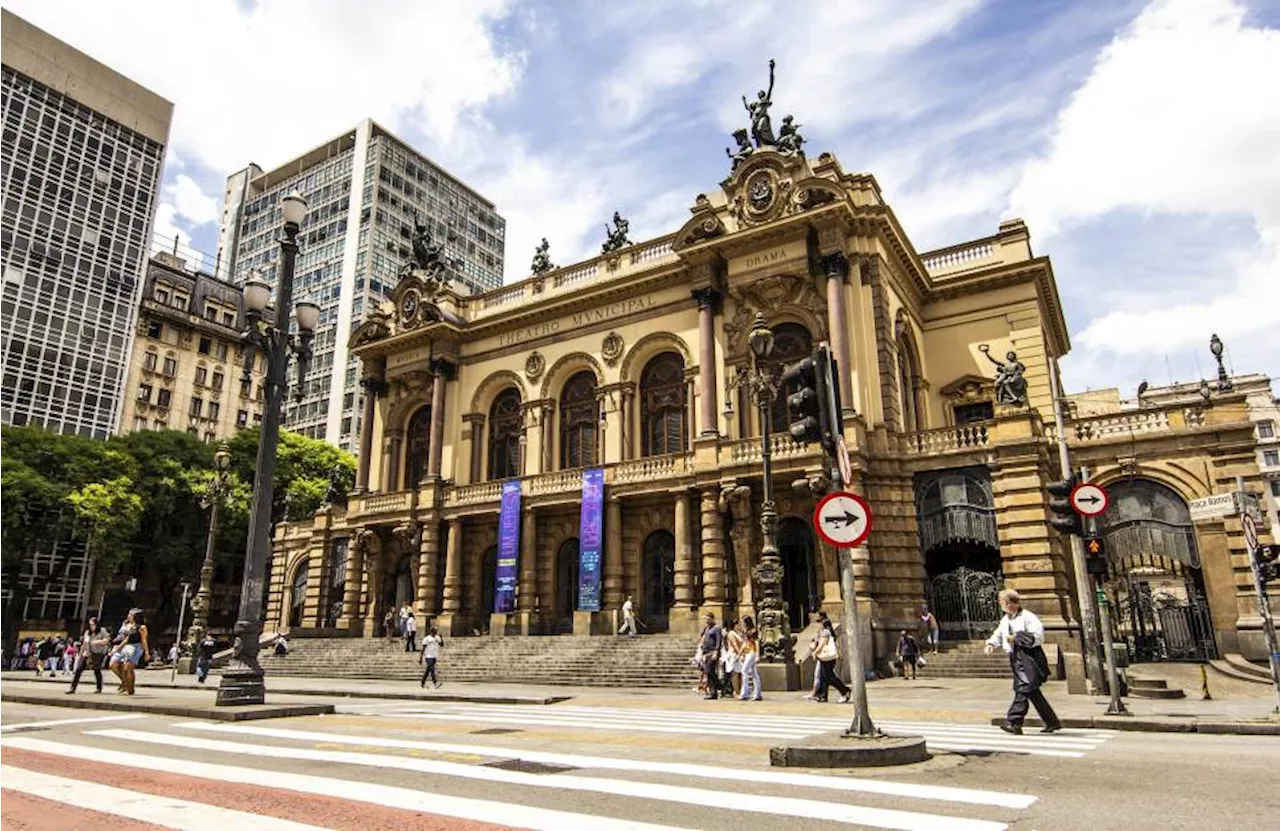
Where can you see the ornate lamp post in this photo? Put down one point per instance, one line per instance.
(213, 501)
(775, 627)
(1224, 380)
(242, 682)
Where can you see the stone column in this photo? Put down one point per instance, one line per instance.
(835, 267)
(685, 580)
(628, 431)
(613, 577)
(450, 622)
(428, 569)
(707, 299)
(476, 422)
(395, 441)
(442, 370)
(547, 423)
(526, 592)
(373, 386)
(353, 572)
(713, 560)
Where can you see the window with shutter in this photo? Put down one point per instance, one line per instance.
(504, 435)
(663, 401)
(579, 413)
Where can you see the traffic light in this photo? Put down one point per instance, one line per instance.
(1095, 554)
(1267, 560)
(1064, 518)
(804, 404)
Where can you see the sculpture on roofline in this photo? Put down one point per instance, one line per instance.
(617, 235)
(541, 259)
(761, 125)
(1010, 383)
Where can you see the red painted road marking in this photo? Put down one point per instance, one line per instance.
(23, 812)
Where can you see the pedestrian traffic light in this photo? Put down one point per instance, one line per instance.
(804, 404)
(1095, 554)
(1064, 518)
(1267, 560)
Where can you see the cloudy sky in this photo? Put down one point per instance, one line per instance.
(1139, 140)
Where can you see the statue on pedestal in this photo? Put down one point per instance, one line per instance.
(541, 259)
(761, 126)
(617, 235)
(1010, 383)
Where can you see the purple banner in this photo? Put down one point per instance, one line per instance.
(590, 535)
(504, 581)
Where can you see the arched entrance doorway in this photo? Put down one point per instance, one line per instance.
(566, 584)
(955, 516)
(659, 565)
(1152, 560)
(397, 586)
(799, 575)
(298, 595)
(488, 584)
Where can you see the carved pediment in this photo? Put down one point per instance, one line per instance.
(968, 388)
(705, 225)
(779, 294)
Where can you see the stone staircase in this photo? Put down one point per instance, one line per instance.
(1153, 688)
(965, 659)
(659, 660)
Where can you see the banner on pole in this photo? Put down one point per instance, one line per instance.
(504, 581)
(590, 534)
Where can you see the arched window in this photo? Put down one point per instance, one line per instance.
(579, 413)
(299, 595)
(1146, 521)
(908, 377)
(504, 435)
(415, 461)
(662, 405)
(791, 342)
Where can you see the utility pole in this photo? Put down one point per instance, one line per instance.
(182, 613)
(1116, 706)
(1084, 582)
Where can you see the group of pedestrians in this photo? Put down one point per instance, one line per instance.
(52, 654)
(122, 653)
(728, 657)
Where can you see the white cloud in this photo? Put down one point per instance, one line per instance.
(262, 81)
(191, 202)
(1172, 120)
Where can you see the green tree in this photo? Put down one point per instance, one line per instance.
(308, 472)
(108, 514)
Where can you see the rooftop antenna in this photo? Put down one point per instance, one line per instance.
(175, 245)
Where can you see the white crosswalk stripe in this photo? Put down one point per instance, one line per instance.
(809, 797)
(963, 738)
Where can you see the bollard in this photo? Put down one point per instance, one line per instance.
(1204, 684)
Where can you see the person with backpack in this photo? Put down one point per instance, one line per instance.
(204, 657)
(1021, 635)
(44, 653)
(908, 652)
(95, 643)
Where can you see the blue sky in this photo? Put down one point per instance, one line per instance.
(1137, 139)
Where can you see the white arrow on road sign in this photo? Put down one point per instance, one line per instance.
(1089, 499)
(842, 519)
(1250, 531)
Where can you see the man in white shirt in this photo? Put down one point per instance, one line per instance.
(1021, 635)
(628, 618)
(430, 654)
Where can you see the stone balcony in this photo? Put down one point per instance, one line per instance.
(960, 439)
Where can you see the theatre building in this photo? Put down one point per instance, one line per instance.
(629, 373)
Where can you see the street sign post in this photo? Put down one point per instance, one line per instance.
(1250, 528)
(842, 460)
(842, 519)
(1089, 499)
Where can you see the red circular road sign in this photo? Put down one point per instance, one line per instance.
(842, 519)
(1089, 499)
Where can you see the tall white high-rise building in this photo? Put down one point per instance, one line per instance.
(83, 149)
(363, 189)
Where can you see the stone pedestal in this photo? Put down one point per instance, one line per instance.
(452, 626)
(780, 677)
(836, 750)
(514, 624)
(684, 622)
(596, 623)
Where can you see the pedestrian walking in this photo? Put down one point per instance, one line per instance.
(410, 633)
(95, 642)
(405, 613)
(628, 618)
(44, 652)
(1021, 635)
(827, 655)
(204, 657)
(929, 631)
(750, 664)
(389, 624)
(132, 652)
(59, 647)
(69, 656)
(173, 654)
(908, 652)
(430, 655)
(712, 644)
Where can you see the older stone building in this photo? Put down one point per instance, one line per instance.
(633, 362)
(186, 369)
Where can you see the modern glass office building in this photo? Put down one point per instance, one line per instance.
(83, 148)
(363, 189)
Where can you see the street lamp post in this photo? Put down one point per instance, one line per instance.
(242, 682)
(213, 501)
(774, 626)
(1216, 347)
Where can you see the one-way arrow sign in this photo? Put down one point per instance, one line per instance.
(1089, 499)
(842, 519)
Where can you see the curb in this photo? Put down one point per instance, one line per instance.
(206, 711)
(406, 695)
(1138, 724)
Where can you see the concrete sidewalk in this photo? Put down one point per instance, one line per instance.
(180, 703)
(1244, 710)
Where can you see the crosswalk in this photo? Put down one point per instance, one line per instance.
(955, 738)
(327, 774)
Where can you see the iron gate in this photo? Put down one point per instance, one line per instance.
(1161, 626)
(965, 604)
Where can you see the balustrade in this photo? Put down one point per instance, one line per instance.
(561, 481)
(654, 468)
(380, 503)
(948, 439)
(473, 494)
(781, 446)
(963, 256)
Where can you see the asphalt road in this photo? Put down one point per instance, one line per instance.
(616, 764)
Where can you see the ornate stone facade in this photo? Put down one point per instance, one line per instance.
(658, 330)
